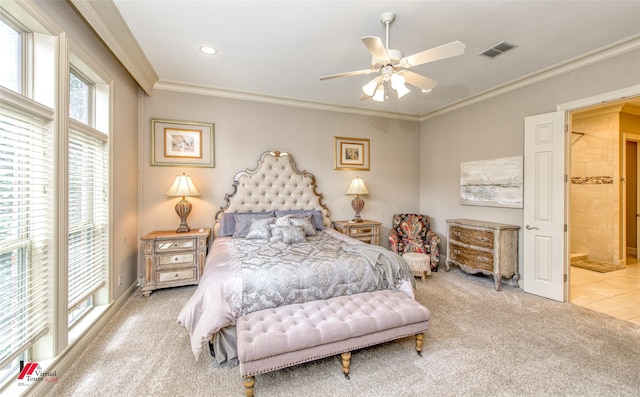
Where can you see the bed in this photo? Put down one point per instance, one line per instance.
(273, 246)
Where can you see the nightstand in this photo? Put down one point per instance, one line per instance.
(173, 259)
(367, 231)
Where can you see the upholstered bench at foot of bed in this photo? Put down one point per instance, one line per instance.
(281, 337)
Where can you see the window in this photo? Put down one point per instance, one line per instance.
(26, 257)
(53, 220)
(88, 234)
(11, 55)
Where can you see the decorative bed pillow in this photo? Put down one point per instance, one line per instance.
(290, 234)
(305, 222)
(316, 216)
(260, 228)
(243, 222)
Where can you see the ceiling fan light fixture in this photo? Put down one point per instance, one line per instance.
(397, 81)
(370, 87)
(402, 90)
(379, 95)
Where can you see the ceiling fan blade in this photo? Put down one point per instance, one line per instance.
(376, 48)
(419, 81)
(346, 74)
(434, 54)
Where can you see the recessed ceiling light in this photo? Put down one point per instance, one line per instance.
(427, 90)
(205, 49)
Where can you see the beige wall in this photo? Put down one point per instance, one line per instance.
(494, 128)
(244, 130)
(124, 186)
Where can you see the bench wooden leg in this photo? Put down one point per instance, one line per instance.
(346, 361)
(249, 383)
(419, 341)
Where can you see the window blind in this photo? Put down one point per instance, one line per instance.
(88, 213)
(26, 213)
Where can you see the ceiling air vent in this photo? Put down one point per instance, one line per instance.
(498, 49)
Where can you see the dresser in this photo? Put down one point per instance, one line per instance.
(367, 231)
(173, 259)
(483, 247)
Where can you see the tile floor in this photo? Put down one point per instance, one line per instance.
(615, 293)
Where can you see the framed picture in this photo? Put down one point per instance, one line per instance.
(492, 183)
(351, 154)
(182, 143)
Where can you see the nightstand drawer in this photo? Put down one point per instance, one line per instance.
(188, 258)
(175, 245)
(168, 276)
(362, 231)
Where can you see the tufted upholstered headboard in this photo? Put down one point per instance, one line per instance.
(275, 184)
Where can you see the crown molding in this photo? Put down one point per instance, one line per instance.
(105, 19)
(177, 86)
(611, 51)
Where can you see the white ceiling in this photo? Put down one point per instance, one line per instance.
(281, 48)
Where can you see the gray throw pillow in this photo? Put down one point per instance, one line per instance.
(291, 234)
(305, 222)
(243, 222)
(260, 228)
(316, 216)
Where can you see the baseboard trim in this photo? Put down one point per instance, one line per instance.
(64, 360)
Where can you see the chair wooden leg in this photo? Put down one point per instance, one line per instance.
(249, 383)
(419, 342)
(346, 361)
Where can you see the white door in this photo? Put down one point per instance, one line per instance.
(544, 206)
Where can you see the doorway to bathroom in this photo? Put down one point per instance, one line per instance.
(603, 208)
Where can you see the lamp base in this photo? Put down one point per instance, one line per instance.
(183, 209)
(357, 204)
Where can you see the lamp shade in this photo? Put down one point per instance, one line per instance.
(183, 186)
(357, 187)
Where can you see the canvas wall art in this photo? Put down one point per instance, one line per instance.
(493, 183)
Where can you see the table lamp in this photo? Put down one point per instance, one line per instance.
(357, 187)
(183, 187)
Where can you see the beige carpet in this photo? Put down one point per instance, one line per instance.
(481, 342)
(597, 266)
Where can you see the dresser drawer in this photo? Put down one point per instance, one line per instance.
(471, 257)
(478, 238)
(185, 258)
(182, 275)
(175, 245)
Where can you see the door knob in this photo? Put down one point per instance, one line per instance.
(529, 227)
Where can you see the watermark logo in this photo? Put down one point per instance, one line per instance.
(32, 372)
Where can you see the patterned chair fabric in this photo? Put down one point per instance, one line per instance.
(412, 233)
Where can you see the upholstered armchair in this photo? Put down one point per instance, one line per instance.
(412, 233)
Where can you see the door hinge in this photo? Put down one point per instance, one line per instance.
(566, 178)
(566, 128)
(565, 277)
(565, 227)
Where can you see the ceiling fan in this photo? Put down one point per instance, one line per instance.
(391, 65)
